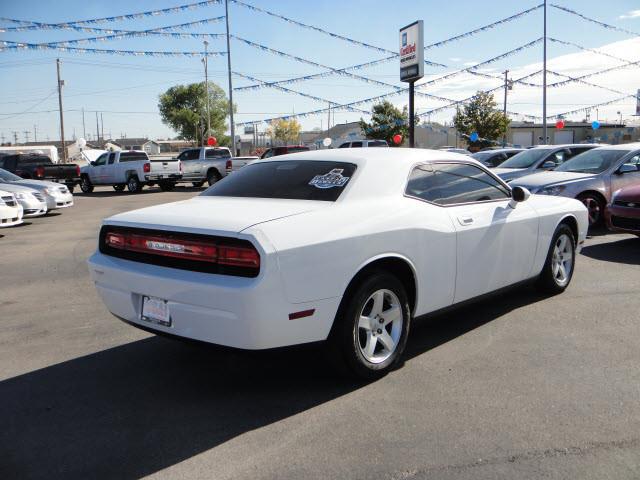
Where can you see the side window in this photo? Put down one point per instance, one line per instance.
(193, 154)
(356, 144)
(268, 154)
(112, 158)
(183, 155)
(559, 157)
(454, 183)
(344, 145)
(102, 159)
(634, 162)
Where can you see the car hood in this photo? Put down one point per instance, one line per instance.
(214, 215)
(509, 173)
(37, 184)
(15, 188)
(550, 178)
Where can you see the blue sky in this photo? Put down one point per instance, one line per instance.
(126, 89)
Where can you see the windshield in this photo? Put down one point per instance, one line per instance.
(592, 161)
(291, 179)
(525, 159)
(482, 156)
(8, 176)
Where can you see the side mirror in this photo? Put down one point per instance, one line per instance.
(626, 168)
(93, 164)
(519, 194)
(549, 164)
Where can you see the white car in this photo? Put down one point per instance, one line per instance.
(55, 195)
(344, 245)
(32, 201)
(10, 210)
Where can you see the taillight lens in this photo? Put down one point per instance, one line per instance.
(39, 171)
(146, 168)
(185, 251)
(229, 165)
(77, 171)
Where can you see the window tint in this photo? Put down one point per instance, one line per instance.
(378, 143)
(217, 153)
(634, 161)
(102, 159)
(594, 161)
(8, 176)
(525, 159)
(112, 158)
(453, 183)
(345, 145)
(295, 149)
(356, 144)
(299, 180)
(133, 156)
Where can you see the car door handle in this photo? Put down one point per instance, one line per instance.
(465, 220)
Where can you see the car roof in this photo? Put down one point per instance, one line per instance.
(622, 146)
(567, 145)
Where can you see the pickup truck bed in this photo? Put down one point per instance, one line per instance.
(40, 167)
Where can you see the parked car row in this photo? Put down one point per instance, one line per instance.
(22, 198)
(34, 166)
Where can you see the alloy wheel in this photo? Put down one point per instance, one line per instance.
(379, 327)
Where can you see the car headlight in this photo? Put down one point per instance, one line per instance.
(45, 191)
(555, 190)
(21, 196)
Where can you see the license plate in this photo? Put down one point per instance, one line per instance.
(156, 310)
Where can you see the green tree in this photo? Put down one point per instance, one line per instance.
(184, 108)
(480, 115)
(286, 131)
(386, 121)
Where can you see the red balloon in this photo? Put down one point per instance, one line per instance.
(211, 141)
(560, 124)
(397, 139)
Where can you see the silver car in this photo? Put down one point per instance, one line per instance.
(591, 177)
(542, 157)
(32, 201)
(55, 194)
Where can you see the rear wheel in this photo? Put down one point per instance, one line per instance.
(213, 176)
(166, 186)
(133, 184)
(371, 328)
(561, 259)
(85, 185)
(119, 188)
(595, 206)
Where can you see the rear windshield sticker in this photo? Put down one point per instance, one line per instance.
(332, 179)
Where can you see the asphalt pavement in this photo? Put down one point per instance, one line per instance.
(518, 386)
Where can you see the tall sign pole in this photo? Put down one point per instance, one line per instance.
(60, 84)
(504, 110)
(544, 78)
(206, 84)
(412, 65)
(231, 125)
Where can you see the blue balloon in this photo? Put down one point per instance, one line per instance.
(595, 124)
(474, 137)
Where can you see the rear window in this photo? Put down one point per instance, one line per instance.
(297, 149)
(378, 143)
(133, 156)
(294, 180)
(217, 153)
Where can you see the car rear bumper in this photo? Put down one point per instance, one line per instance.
(247, 313)
(623, 219)
(156, 177)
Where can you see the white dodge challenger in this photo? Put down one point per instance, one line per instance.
(344, 246)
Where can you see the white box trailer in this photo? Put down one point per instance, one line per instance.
(48, 150)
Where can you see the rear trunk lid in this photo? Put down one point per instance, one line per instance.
(214, 215)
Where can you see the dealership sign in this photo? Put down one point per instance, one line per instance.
(412, 52)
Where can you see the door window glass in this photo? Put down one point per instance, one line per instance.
(112, 157)
(102, 159)
(634, 162)
(454, 183)
(356, 144)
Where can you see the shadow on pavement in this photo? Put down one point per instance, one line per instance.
(623, 251)
(135, 409)
(148, 190)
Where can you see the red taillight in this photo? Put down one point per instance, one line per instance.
(39, 171)
(229, 165)
(210, 251)
(77, 171)
(146, 168)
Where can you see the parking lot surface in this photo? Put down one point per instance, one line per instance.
(515, 386)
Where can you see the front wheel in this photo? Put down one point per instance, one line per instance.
(561, 259)
(133, 184)
(85, 185)
(595, 207)
(371, 327)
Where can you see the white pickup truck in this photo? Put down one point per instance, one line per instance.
(204, 164)
(131, 168)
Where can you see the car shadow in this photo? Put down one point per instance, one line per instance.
(146, 191)
(51, 213)
(622, 251)
(135, 409)
(21, 225)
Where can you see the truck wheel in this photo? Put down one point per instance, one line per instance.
(85, 185)
(119, 187)
(71, 188)
(197, 184)
(213, 176)
(133, 184)
(166, 186)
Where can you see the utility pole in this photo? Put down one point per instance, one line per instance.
(2, 138)
(102, 127)
(84, 129)
(206, 85)
(60, 85)
(35, 133)
(329, 121)
(97, 128)
(233, 130)
(26, 136)
(504, 110)
(544, 78)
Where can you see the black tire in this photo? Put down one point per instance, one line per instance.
(213, 176)
(167, 186)
(71, 188)
(345, 340)
(595, 205)
(85, 184)
(119, 187)
(133, 184)
(549, 280)
(197, 184)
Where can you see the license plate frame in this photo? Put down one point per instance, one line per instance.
(155, 310)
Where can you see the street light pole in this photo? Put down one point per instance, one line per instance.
(60, 84)
(206, 84)
(232, 127)
(504, 110)
(544, 78)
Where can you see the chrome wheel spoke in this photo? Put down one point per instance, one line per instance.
(378, 303)
(379, 326)
(392, 314)
(364, 323)
(386, 340)
(370, 346)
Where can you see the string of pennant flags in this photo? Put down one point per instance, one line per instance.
(597, 22)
